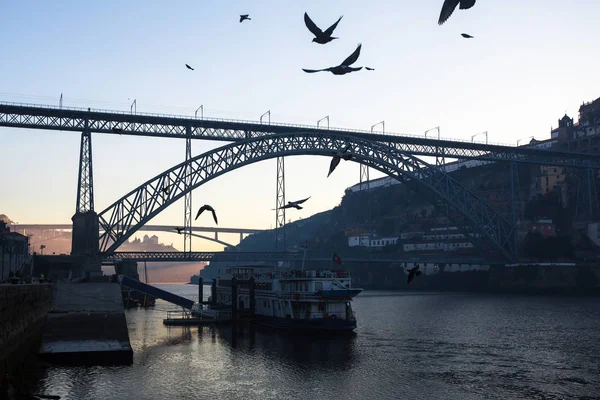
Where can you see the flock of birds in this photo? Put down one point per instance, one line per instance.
(324, 37)
(345, 67)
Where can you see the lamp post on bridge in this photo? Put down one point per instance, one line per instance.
(528, 137)
(382, 124)
(133, 108)
(433, 129)
(438, 160)
(480, 133)
(325, 117)
(267, 113)
(201, 108)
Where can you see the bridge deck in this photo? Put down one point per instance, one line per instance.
(122, 123)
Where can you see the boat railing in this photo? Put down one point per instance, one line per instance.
(299, 296)
(318, 315)
(179, 314)
(284, 275)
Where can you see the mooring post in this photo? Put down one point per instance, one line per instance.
(200, 290)
(252, 297)
(234, 299)
(213, 292)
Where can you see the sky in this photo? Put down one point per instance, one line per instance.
(530, 62)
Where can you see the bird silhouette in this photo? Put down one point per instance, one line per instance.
(466, 35)
(344, 67)
(338, 156)
(320, 36)
(188, 67)
(117, 130)
(370, 69)
(165, 190)
(295, 204)
(412, 272)
(449, 6)
(178, 229)
(209, 208)
(244, 17)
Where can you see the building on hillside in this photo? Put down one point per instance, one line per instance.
(364, 240)
(551, 178)
(544, 226)
(14, 251)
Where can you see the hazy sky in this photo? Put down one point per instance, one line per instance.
(530, 62)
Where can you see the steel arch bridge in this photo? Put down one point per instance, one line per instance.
(121, 219)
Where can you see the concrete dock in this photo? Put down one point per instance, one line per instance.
(86, 325)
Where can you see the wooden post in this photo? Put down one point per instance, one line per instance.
(213, 292)
(200, 290)
(252, 297)
(234, 299)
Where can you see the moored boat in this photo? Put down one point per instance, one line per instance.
(313, 300)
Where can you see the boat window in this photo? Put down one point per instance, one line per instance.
(319, 285)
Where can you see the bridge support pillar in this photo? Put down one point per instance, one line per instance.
(187, 212)
(85, 239)
(85, 183)
(279, 203)
(586, 206)
(85, 234)
(364, 185)
(514, 189)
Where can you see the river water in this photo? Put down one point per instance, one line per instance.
(406, 346)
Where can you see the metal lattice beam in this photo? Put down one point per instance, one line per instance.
(85, 181)
(187, 204)
(52, 118)
(586, 203)
(120, 220)
(272, 257)
(279, 203)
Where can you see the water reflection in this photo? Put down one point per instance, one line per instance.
(425, 346)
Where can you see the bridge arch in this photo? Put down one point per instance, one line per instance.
(125, 216)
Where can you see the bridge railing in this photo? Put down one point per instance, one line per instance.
(238, 121)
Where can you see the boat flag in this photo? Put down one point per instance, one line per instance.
(336, 259)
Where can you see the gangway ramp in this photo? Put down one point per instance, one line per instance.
(156, 292)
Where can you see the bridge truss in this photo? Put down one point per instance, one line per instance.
(114, 122)
(120, 220)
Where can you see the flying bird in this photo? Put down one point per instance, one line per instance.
(412, 272)
(179, 230)
(165, 190)
(295, 204)
(466, 35)
(344, 67)
(117, 130)
(320, 36)
(449, 6)
(188, 67)
(339, 155)
(209, 208)
(244, 17)
(370, 69)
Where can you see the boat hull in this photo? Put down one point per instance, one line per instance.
(313, 325)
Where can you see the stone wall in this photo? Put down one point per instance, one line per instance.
(23, 309)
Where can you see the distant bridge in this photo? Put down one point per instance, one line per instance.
(154, 228)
